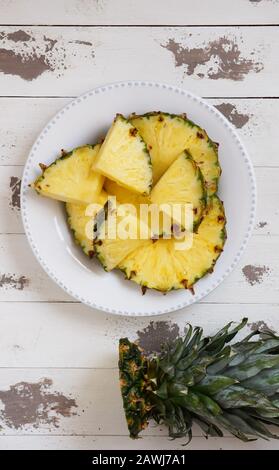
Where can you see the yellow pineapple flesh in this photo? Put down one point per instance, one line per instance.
(167, 135)
(81, 221)
(70, 178)
(163, 266)
(124, 157)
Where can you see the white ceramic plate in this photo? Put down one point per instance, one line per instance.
(85, 120)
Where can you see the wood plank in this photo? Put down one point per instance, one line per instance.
(123, 442)
(103, 12)
(59, 61)
(22, 278)
(69, 402)
(85, 338)
(64, 401)
(255, 119)
(267, 213)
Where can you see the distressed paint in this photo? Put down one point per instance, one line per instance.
(34, 404)
(260, 326)
(255, 274)
(26, 67)
(233, 115)
(17, 36)
(11, 281)
(15, 185)
(221, 57)
(156, 334)
(29, 56)
(84, 43)
(261, 224)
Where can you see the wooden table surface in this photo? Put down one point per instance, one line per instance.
(58, 358)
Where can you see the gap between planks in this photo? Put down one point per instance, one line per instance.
(171, 25)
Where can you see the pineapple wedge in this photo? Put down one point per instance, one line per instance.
(124, 157)
(78, 219)
(167, 135)
(183, 184)
(162, 267)
(70, 178)
(110, 245)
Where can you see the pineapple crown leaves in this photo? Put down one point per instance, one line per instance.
(206, 380)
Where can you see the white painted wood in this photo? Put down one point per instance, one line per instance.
(69, 60)
(267, 213)
(134, 12)
(85, 338)
(96, 409)
(123, 442)
(17, 261)
(17, 133)
(43, 333)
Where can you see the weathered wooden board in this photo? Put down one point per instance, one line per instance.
(216, 62)
(255, 280)
(49, 335)
(122, 442)
(255, 119)
(69, 402)
(267, 213)
(104, 12)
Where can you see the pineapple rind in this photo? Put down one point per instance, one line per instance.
(111, 251)
(78, 220)
(124, 157)
(70, 177)
(182, 183)
(159, 266)
(205, 380)
(198, 145)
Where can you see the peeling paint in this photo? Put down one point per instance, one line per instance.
(18, 36)
(34, 404)
(28, 57)
(15, 185)
(11, 281)
(85, 43)
(222, 57)
(235, 117)
(261, 224)
(156, 334)
(255, 274)
(259, 326)
(50, 43)
(27, 67)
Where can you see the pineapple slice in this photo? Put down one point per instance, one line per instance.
(110, 245)
(162, 224)
(162, 266)
(182, 184)
(79, 216)
(70, 178)
(123, 195)
(124, 157)
(167, 135)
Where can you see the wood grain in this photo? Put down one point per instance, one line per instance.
(123, 442)
(22, 278)
(61, 352)
(255, 119)
(131, 12)
(267, 213)
(216, 62)
(84, 338)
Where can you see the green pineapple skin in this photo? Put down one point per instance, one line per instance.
(206, 380)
